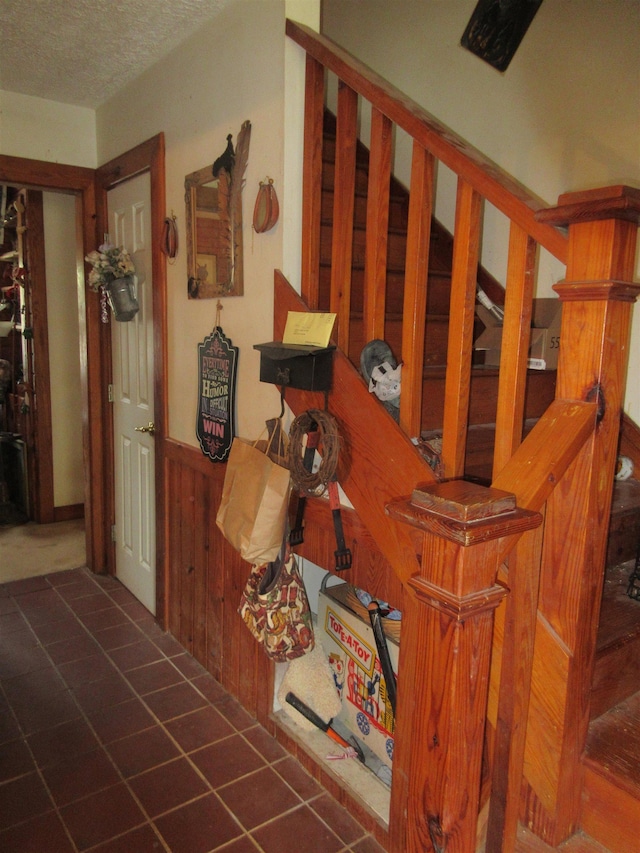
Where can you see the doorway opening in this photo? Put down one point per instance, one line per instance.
(41, 270)
(42, 467)
(89, 188)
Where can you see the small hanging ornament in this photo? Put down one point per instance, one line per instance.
(267, 209)
(169, 239)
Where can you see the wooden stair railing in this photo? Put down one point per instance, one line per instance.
(466, 593)
(433, 802)
(457, 582)
(371, 442)
(598, 295)
(479, 181)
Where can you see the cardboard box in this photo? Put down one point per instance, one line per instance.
(545, 335)
(350, 646)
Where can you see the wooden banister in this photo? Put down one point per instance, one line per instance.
(564, 468)
(499, 188)
(542, 459)
(598, 296)
(516, 334)
(479, 181)
(466, 251)
(312, 181)
(370, 440)
(343, 206)
(415, 291)
(375, 267)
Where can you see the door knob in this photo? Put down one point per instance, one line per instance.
(150, 428)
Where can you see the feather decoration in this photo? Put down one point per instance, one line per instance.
(235, 198)
(240, 165)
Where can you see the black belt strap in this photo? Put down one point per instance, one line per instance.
(342, 554)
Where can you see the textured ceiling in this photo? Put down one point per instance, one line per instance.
(83, 51)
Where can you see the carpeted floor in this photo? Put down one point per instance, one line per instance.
(29, 550)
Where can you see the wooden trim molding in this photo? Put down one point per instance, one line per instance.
(70, 512)
(78, 180)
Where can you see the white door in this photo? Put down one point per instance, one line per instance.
(129, 206)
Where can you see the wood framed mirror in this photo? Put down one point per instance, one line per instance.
(213, 199)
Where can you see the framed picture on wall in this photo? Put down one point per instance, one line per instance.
(496, 29)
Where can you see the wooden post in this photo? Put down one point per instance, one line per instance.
(447, 634)
(598, 296)
(312, 181)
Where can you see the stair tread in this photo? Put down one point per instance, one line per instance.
(619, 614)
(613, 744)
(626, 496)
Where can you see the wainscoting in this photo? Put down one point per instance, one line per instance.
(204, 580)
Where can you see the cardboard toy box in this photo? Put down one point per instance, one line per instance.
(350, 646)
(545, 335)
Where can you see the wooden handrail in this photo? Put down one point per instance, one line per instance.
(541, 460)
(499, 188)
(479, 181)
(572, 444)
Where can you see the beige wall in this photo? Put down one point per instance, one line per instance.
(64, 348)
(564, 116)
(231, 70)
(44, 130)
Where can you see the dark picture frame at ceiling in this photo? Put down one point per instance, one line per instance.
(496, 29)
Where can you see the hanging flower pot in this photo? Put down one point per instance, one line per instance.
(112, 275)
(122, 298)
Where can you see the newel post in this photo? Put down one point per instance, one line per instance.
(445, 656)
(598, 295)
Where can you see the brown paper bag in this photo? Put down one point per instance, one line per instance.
(255, 497)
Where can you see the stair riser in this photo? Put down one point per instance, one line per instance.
(438, 291)
(540, 393)
(435, 350)
(624, 536)
(610, 814)
(396, 248)
(616, 676)
(398, 210)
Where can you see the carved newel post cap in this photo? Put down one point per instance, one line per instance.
(462, 500)
(619, 202)
(463, 511)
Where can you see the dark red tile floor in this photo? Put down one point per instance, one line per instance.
(114, 739)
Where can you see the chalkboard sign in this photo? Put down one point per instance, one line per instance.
(217, 366)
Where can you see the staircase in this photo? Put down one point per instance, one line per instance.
(540, 388)
(509, 428)
(617, 667)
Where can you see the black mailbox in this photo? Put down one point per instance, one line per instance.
(307, 368)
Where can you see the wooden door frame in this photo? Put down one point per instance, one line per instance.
(78, 181)
(146, 157)
(37, 376)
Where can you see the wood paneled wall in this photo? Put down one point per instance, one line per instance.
(204, 580)
(205, 576)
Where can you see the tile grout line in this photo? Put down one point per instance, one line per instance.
(185, 678)
(85, 718)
